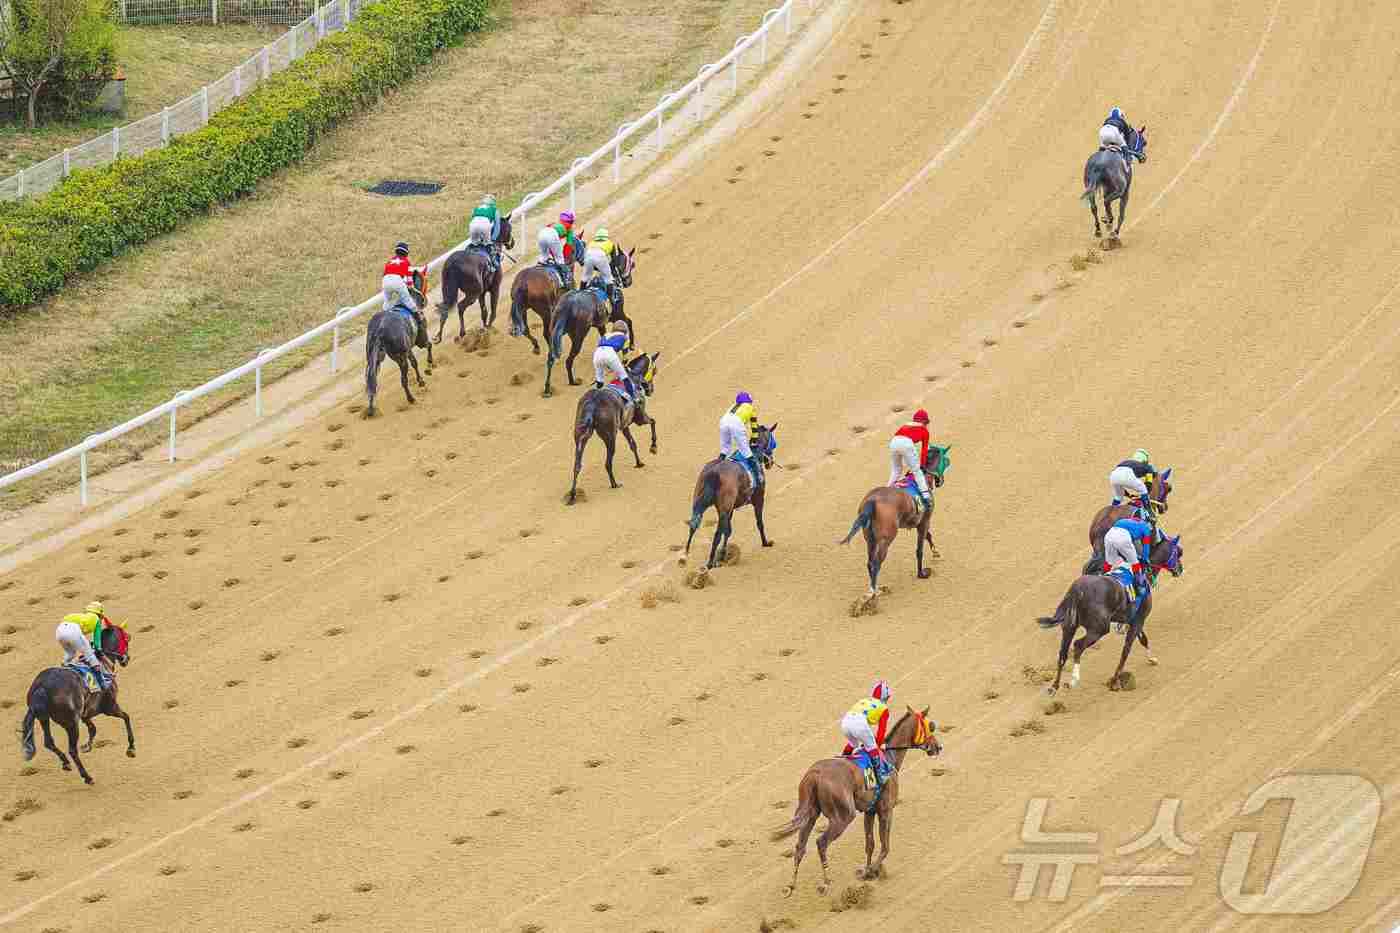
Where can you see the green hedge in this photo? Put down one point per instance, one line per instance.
(97, 214)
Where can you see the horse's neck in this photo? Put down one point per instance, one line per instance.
(899, 740)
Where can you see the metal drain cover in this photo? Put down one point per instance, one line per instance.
(399, 189)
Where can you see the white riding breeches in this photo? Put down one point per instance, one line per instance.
(1110, 135)
(1118, 549)
(595, 262)
(1123, 481)
(904, 458)
(856, 729)
(551, 250)
(70, 639)
(607, 365)
(733, 436)
(479, 231)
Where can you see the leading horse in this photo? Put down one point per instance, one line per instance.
(1112, 172)
(467, 271)
(1106, 516)
(61, 695)
(581, 309)
(835, 788)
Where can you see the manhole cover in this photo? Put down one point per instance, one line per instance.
(399, 189)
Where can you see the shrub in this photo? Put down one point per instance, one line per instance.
(97, 214)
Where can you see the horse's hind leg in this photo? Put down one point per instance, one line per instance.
(579, 443)
(610, 442)
(835, 826)
(799, 850)
(1066, 636)
(48, 743)
(72, 730)
(1090, 638)
(632, 442)
(1094, 209)
(403, 378)
(574, 343)
(719, 535)
(876, 549)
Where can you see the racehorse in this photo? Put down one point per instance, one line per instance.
(1095, 602)
(604, 412)
(465, 271)
(835, 788)
(59, 694)
(537, 289)
(581, 309)
(727, 485)
(1109, 514)
(885, 510)
(391, 334)
(1113, 172)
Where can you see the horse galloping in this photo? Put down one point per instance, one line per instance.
(602, 411)
(391, 334)
(885, 510)
(835, 788)
(467, 271)
(1106, 516)
(59, 694)
(534, 289)
(1112, 172)
(727, 485)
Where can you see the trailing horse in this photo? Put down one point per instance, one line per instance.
(60, 694)
(602, 411)
(886, 509)
(727, 485)
(391, 334)
(835, 788)
(1112, 172)
(582, 308)
(534, 289)
(466, 272)
(1095, 602)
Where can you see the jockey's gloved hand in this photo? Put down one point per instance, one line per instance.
(597, 385)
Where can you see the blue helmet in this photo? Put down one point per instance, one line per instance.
(1115, 112)
(743, 398)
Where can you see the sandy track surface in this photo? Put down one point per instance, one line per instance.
(420, 693)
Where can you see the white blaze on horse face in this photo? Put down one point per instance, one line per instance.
(1074, 675)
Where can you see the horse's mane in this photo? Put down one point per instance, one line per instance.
(899, 722)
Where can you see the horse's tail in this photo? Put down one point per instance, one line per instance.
(450, 274)
(38, 708)
(561, 324)
(1065, 610)
(517, 304)
(374, 355)
(806, 811)
(588, 412)
(1093, 177)
(709, 484)
(863, 520)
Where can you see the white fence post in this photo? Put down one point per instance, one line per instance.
(165, 127)
(178, 395)
(82, 476)
(214, 11)
(116, 141)
(320, 22)
(20, 182)
(573, 178)
(238, 82)
(257, 385)
(347, 12)
(292, 45)
(266, 62)
(204, 104)
(67, 165)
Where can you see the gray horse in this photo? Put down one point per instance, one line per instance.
(1113, 172)
(392, 334)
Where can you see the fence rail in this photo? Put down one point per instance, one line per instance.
(649, 129)
(193, 112)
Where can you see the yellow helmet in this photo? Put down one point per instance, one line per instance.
(95, 608)
(1141, 456)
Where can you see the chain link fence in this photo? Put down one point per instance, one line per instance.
(193, 112)
(261, 12)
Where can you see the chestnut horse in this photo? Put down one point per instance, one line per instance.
(727, 485)
(835, 788)
(885, 510)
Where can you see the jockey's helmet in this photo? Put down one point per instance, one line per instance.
(95, 608)
(567, 217)
(618, 327)
(921, 416)
(743, 398)
(881, 691)
(1141, 456)
(489, 201)
(602, 234)
(401, 248)
(1115, 112)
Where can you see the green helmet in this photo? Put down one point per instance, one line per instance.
(602, 234)
(1141, 456)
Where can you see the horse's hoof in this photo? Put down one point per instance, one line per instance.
(428, 371)
(87, 780)
(1049, 691)
(787, 890)
(823, 888)
(536, 351)
(640, 464)
(768, 543)
(1152, 660)
(547, 393)
(67, 766)
(934, 553)
(925, 574)
(131, 753)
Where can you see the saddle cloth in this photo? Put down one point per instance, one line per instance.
(88, 675)
(910, 486)
(621, 391)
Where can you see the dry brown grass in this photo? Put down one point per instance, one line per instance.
(261, 271)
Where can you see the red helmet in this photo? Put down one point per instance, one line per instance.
(881, 691)
(921, 416)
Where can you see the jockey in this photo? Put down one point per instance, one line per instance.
(397, 295)
(573, 246)
(738, 429)
(484, 229)
(909, 453)
(552, 255)
(1126, 546)
(597, 262)
(400, 264)
(865, 723)
(80, 635)
(1115, 133)
(607, 361)
(1133, 478)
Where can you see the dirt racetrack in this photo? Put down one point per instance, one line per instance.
(383, 679)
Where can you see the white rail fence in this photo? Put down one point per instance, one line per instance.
(647, 133)
(190, 114)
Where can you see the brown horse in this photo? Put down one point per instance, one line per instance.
(575, 313)
(727, 485)
(534, 289)
(1095, 602)
(835, 788)
(392, 334)
(603, 411)
(468, 271)
(1109, 514)
(60, 694)
(885, 510)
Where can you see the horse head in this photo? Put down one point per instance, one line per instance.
(642, 368)
(115, 642)
(506, 236)
(1141, 148)
(937, 463)
(1163, 488)
(622, 266)
(1166, 554)
(924, 729)
(765, 443)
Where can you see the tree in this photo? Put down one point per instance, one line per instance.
(41, 40)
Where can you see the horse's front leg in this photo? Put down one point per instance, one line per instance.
(1115, 682)
(120, 713)
(758, 517)
(886, 819)
(652, 421)
(920, 533)
(632, 442)
(444, 312)
(1122, 213)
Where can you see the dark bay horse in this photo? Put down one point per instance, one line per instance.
(391, 334)
(603, 412)
(580, 309)
(727, 485)
(1106, 516)
(465, 272)
(59, 694)
(885, 510)
(835, 788)
(534, 289)
(1095, 602)
(1113, 172)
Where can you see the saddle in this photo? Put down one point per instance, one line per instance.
(749, 467)
(876, 772)
(88, 675)
(910, 486)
